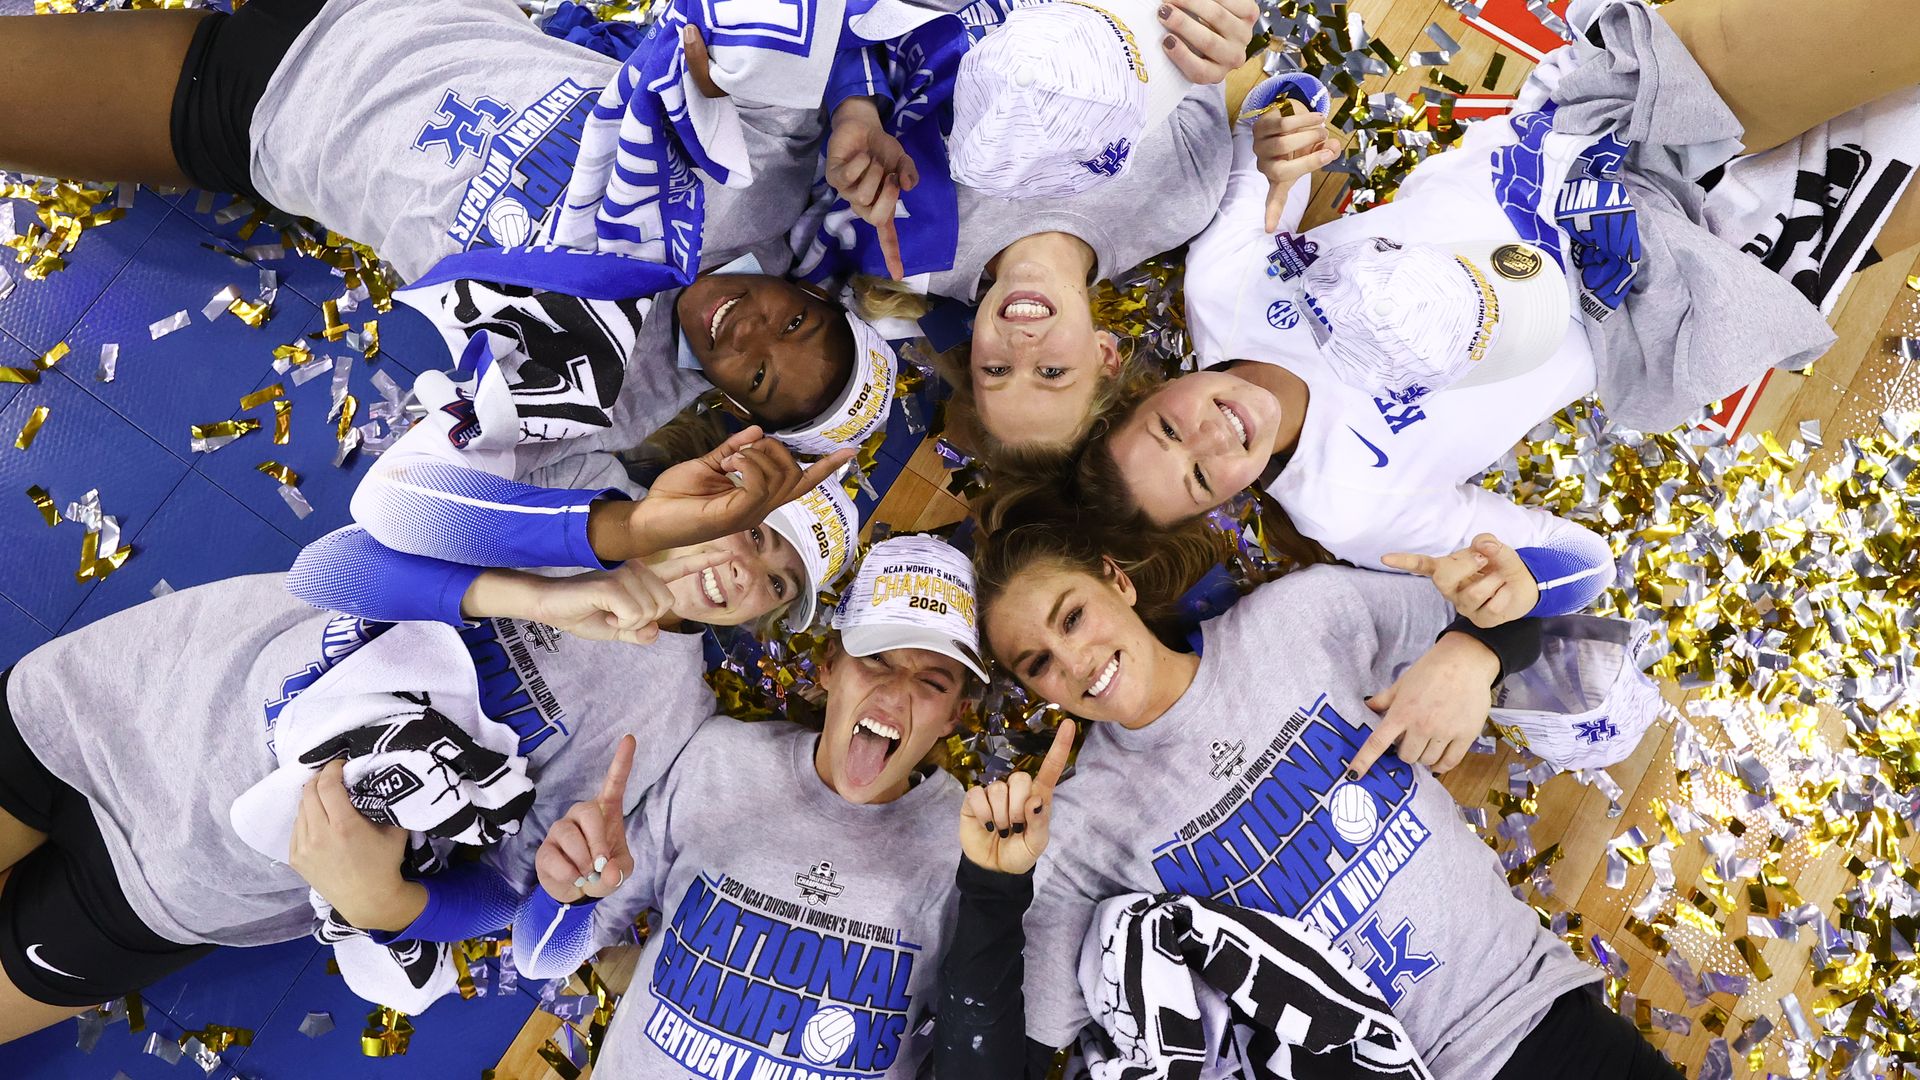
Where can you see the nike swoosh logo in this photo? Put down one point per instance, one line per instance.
(1377, 452)
(33, 954)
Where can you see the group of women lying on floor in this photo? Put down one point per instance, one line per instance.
(481, 706)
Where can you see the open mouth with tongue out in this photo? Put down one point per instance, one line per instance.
(874, 741)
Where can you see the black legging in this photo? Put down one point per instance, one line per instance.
(1581, 1039)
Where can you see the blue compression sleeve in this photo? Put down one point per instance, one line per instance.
(1572, 572)
(347, 570)
(473, 517)
(462, 901)
(551, 939)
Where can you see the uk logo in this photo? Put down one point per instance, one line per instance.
(1282, 315)
(462, 128)
(1111, 161)
(1395, 967)
(1594, 732)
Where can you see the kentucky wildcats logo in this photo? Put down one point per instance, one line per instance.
(462, 128)
(1595, 732)
(1294, 837)
(1603, 230)
(527, 162)
(1110, 161)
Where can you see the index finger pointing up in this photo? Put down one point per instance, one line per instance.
(613, 791)
(1056, 760)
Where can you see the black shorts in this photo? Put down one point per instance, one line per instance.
(67, 934)
(1581, 1039)
(226, 70)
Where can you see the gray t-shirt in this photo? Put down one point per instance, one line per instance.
(426, 127)
(800, 935)
(160, 716)
(1178, 177)
(1237, 793)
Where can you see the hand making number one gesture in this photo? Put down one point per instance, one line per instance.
(1003, 826)
(585, 853)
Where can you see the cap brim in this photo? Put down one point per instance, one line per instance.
(800, 613)
(875, 367)
(1534, 311)
(878, 637)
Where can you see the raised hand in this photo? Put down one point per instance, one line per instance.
(732, 488)
(349, 860)
(1436, 708)
(1289, 143)
(585, 853)
(1206, 39)
(1003, 826)
(1486, 581)
(869, 168)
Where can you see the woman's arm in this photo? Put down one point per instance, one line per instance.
(981, 1030)
(349, 571)
(463, 901)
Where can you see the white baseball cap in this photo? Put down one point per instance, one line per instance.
(1586, 702)
(822, 525)
(912, 592)
(1056, 100)
(862, 407)
(1410, 319)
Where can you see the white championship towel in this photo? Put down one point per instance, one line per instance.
(1811, 207)
(1180, 986)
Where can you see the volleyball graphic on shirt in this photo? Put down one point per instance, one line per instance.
(1355, 817)
(827, 1035)
(509, 223)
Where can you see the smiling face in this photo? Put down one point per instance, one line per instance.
(1194, 443)
(884, 713)
(756, 572)
(1037, 360)
(779, 351)
(1074, 639)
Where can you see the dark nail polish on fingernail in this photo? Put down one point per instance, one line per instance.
(1168, 43)
(1004, 833)
(1019, 827)
(989, 826)
(1351, 775)
(1166, 10)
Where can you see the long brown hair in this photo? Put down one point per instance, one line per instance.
(1025, 525)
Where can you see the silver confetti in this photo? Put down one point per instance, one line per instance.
(176, 321)
(295, 501)
(219, 302)
(160, 589)
(316, 1024)
(109, 361)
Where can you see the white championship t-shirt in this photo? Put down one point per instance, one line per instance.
(1370, 476)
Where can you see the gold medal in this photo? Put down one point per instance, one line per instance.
(1516, 262)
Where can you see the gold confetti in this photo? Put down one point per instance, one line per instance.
(32, 427)
(44, 502)
(262, 396)
(225, 429)
(296, 353)
(388, 1033)
(370, 338)
(282, 421)
(280, 472)
(252, 312)
(335, 329)
(348, 406)
(19, 375)
(94, 566)
(52, 356)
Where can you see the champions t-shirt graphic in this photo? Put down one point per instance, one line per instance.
(1292, 836)
(749, 985)
(527, 159)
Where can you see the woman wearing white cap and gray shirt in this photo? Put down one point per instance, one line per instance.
(116, 782)
(468, 157)
(1374, 365)
(1085, 139)
(803, 916)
